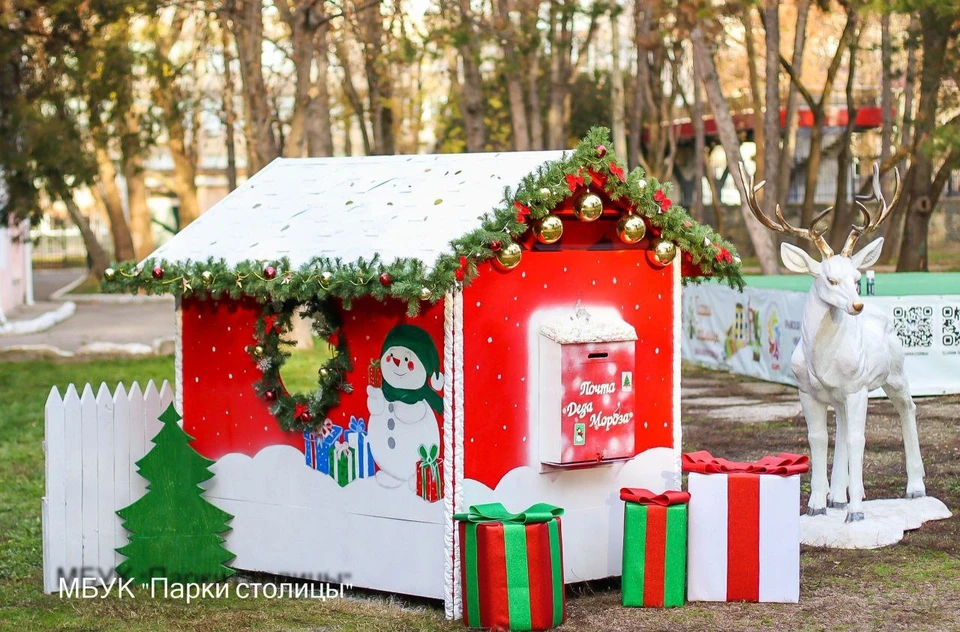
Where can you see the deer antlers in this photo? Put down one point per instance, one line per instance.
(816, 235)
(871, 224)
(781, 225)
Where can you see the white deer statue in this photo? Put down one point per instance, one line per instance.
(846, 350)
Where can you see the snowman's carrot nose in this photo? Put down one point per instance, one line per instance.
(396, 361)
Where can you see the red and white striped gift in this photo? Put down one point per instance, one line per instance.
(743, 534)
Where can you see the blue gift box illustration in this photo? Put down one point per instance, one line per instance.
(356, 437)
(317, 444)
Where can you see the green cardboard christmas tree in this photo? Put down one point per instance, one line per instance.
(174, 531)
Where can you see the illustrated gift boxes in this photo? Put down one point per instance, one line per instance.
(654, 548)
(317, 445)
(744, 528)
(512, 567)
(430, 474)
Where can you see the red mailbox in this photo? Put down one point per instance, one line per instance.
(586, 391)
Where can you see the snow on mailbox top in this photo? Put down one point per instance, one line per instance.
(352, 208)
(583, 328)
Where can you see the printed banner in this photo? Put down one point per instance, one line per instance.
(755, 333)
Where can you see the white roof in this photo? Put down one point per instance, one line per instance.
(396, 206)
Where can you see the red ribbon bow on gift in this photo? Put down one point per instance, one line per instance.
(783, 464)
(647, 497)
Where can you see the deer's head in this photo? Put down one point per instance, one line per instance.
(835, 276)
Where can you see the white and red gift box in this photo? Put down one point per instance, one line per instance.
(743, 533)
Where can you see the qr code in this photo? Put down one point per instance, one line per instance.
(914, 326)
(951, 326)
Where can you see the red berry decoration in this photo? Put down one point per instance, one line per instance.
(270, 396)
(158, 273)
(601, 151)
(385, 280)
(270, 272)
(306, 417)
(496, 245)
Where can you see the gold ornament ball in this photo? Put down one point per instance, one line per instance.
(207, 277)
(589, 208)
(548, 230)
(545, 192)
(325, 278)
(324, 372)
(425, 294)
(508, 257)
(109, 274)
(663, 252)
(258, 351)
(631, 229)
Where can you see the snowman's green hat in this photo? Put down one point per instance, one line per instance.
(420, 343)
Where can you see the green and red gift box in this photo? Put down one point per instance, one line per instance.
(654, 548)
(430, 474)
(512, 567)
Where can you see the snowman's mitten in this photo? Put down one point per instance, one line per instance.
(375, 400)
(410, 413)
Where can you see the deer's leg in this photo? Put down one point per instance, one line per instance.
(839, 476)
(856, 420)
(815, 413)
(901, 400)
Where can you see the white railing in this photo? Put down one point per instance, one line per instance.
(91, 444)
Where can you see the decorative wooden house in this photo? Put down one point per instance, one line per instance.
(506, 329)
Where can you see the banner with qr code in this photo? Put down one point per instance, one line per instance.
(755, 332)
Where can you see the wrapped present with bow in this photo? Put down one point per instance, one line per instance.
(343, 463)
(317, 445)
(512, 567)
(356, 436)
(654, 548)
(744, 528)
(430, 474)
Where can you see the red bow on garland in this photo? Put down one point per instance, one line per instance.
(783, 464)
(661, 198)
(298, 410)
(269, 323)
(617, 170)
(574, 180)
(461, 272)
(724, 256)
(522, 212)
(647, 497)
(597, 178)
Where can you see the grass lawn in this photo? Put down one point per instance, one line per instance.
(912, 585)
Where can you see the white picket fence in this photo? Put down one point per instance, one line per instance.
(92, 443)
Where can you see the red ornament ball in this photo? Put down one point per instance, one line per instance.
(496, 245)
(158, 273)
(270, 396)
(306, 417)
(601, 151)
(270, 272)
(385, 280)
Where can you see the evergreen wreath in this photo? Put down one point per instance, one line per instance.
(300, 411)
(590, 165)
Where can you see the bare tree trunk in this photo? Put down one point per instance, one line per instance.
(755, 98)
(893, 233)
(141, 221)
(617, 100)
(119, 229)
(924, 184)
(533, 92)
(771, 115)
(841, 214)
(472, 105)
(246, 23)
(718, 222)
(319, 134)
(513, 72)
(702, 55)
(886, 95)
(785, 169)
(558, 47)
(699, 143)
(98, 257)
(229, 116)
(371, 35)
(353, 96)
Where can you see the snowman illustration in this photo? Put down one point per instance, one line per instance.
(402, 412)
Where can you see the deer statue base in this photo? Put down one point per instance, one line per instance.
(886, 520)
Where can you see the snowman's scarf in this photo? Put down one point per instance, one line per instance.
(418, 341)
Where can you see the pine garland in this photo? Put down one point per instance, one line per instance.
(298, 411)
(591, 164)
